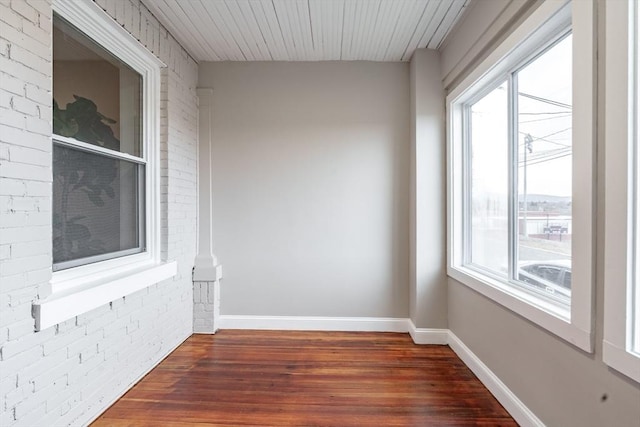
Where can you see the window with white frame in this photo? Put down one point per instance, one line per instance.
(517, 169)
(99, 166)
(621, 342)
(513, 223)
(106, 180)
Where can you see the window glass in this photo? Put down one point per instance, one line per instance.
(97, 97)
(518, 184)
(544, 160)
(95, 204)
(489, 180)
(98, 168)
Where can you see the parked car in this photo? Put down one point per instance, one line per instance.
(552, 277)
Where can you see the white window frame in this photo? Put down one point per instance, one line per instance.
(542, 25)
(79, 289)
(620, 236)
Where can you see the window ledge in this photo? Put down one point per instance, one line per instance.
(621, 360)
(549, 316)
(67, 304)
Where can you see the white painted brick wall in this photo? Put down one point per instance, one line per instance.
(70, 373)
(206, 307)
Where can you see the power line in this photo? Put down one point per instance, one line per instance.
(545, 160)
(548, 160)
(544, 113)
(545, 100)
(555, 143)
(545, 154)
(547, 118)
(543, 138)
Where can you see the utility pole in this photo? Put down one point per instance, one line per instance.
(528, 148)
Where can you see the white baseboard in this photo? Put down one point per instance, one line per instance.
(351, 324)
(306, 323)
(500, 391)
(428, 336)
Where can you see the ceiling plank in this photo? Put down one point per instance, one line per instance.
(282, 17)
(315, 18)
(442, 9)
(338, 19)
(304, 20)
(216, 45)
(215, 31)
(292, 18)
(232, 27)
(385, 24)
(348, 26)
(245, 21)
(373, 7)
(449, 20)
(425, 18)
(325, 19)
(269, 27)
(358, 24)
(375, 30)
(405, 27)
(307, 30)
(180, 27)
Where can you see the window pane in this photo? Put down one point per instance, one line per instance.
(97, 98)
(489, 181)
(544, 171)
(95, 205)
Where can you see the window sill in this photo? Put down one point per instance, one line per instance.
(551, 317)
(64, 305)
(621, 360)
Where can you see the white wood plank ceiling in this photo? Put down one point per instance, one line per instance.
(307, 30)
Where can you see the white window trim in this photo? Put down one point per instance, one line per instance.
(549, 18)
(619, 135)
(83, 288)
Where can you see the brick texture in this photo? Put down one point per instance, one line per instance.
(68, 374)
(206, 307)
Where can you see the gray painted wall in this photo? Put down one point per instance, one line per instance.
(428, 278)
(561, 384)
(311, 187)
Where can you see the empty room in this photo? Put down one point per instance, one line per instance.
(319, 213)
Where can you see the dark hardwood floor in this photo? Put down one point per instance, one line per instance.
(265, 378)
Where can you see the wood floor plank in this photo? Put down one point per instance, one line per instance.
(269, 378)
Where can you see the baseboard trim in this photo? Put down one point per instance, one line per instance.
(425, 336)
(306, 323)
(350, 324)
(516, 408)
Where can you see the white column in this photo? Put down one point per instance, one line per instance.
(428, 278)
(207, 273)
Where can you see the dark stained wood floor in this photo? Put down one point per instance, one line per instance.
(268, 378)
